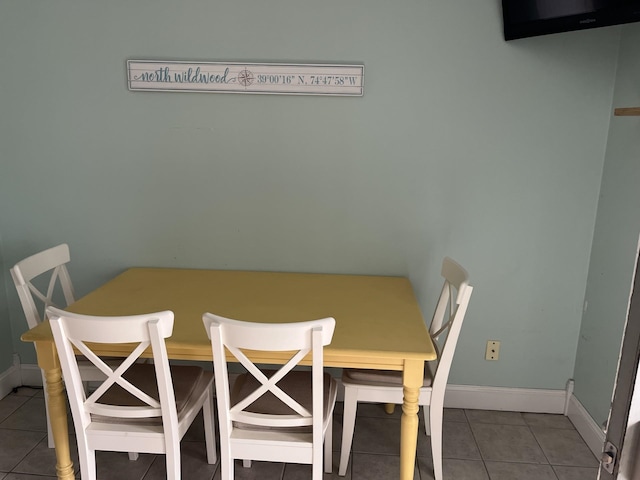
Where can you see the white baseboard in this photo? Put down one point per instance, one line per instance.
(587, 427)
(529, 400)
(498, 398)
(457, 396)
(9, 379)
(503, 398)
(31, 375)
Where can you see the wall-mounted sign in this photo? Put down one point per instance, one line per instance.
(275, 78)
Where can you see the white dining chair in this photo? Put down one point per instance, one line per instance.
(281, 415)
(48, 269)
(52, 261)
(141, 407)
(386, 386)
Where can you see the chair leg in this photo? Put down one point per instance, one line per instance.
(316, 473)
(246, 463)
(328, 447)
(87, 459)
(173, 462)
(209, 428)
(133, 456)
(227, 465)
(435, 414)
(427, 421)
(348, 426)
(317, 454)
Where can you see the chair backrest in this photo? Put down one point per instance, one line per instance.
(72, 330)
(448, 317)
(52, 260)
(299, 338)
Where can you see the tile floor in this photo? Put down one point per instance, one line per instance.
(478, 445)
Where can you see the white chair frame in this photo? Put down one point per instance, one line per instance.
(266, 436)
(454, 300)
(101, 426)
(54, 261)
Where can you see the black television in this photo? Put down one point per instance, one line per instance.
(529, 18)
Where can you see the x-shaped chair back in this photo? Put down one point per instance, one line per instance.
(302, 416)
(299, 339)
(139, 332)
(24, 273)
(447, 317)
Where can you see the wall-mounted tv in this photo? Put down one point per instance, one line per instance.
(529, 18)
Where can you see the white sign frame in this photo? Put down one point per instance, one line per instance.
(252, 78)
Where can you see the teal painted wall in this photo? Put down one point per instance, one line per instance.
(6, 345)
(615, 242)
(462, 145)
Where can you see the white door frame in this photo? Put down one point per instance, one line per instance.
(623, 426)
(630, 458)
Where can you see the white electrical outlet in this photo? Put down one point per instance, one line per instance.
(493, 350)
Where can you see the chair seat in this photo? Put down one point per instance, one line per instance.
(189, 382)
(381, 378)
(296, 384)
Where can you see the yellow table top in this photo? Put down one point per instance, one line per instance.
(378, 320)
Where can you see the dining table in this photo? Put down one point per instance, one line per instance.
(379, 326)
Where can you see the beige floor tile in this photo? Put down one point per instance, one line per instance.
(376, 467)
(576, 473)
(15, 445)
(458, 442)
(258, 471)
(193, 463)
(507, 443)
(519, 471)
(548, 420)
(564, 447)
(495, 417)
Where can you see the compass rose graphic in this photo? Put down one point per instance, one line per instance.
(245, 77)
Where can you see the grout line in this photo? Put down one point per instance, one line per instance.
(540, 446)
(391, 421)
(473, 435)
(475, 440)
